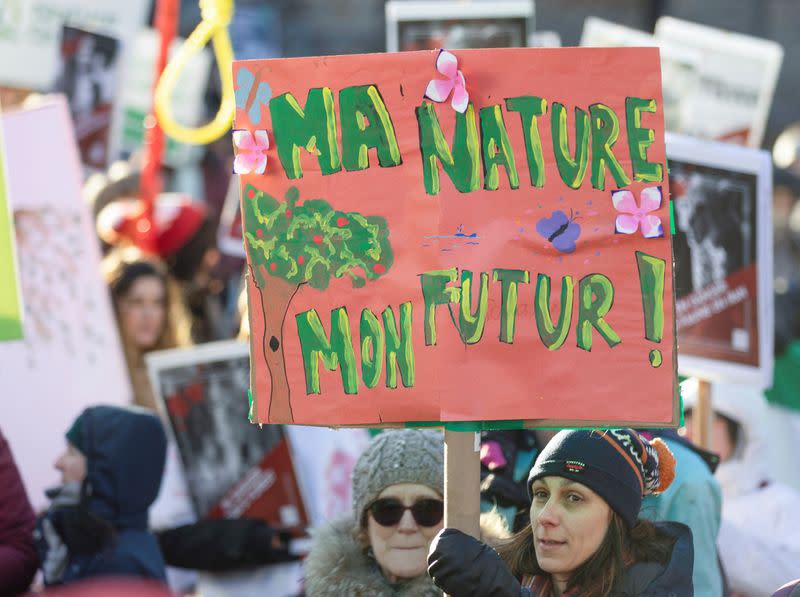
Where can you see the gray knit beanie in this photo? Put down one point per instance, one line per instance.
(394, 457)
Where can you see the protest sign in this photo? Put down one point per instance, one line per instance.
(405, 268)
(30, 34)
(421, 25)
(10, 304)
(722, 197)
(679, 65)
(736, 81)
(87, 75)
(232, 468)
(70, 356)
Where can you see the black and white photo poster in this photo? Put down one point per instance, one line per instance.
(722, 246)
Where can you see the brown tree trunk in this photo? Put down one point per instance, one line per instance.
(275, 300)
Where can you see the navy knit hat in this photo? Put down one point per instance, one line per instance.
(619, 465)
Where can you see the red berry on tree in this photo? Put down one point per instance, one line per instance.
(342, 221)
(301, 260)
(251, 194)
(272, 267)
(288, 213)
(379, 268)
(259, 233)
(317, 239)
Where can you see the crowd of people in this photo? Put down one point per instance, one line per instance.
(573, 513)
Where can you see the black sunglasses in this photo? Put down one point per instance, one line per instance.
(387, 512)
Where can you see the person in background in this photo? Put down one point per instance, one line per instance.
(185, 240)
(149, 313)
(694, 498)
(380, 550)
(585, 538)
(758, 549)
(18, 560)
(96, 524)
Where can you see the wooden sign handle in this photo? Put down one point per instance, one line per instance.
(462, 481)
(701, 416)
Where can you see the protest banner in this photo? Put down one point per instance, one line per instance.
(232, 468)
(421, 25)
(362, 262)
(70, 357)
(10, 303)
(736, 81)
(88, 76)
(722, 198)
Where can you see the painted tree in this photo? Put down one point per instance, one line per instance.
(291, 244)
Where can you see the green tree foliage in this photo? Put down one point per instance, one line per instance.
(311, 241)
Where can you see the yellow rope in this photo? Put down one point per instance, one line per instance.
(216, 16)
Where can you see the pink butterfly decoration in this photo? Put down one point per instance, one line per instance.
(439, 89)
(251, 151)
(638, 216)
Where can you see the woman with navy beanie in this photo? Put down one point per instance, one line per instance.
(585, 538)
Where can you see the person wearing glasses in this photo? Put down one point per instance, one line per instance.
(381, 548)
(585, 538)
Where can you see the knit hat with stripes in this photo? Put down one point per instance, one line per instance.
(619, 465)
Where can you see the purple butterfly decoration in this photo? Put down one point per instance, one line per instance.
(561, 230)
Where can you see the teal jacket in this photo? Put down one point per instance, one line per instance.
(695, 499)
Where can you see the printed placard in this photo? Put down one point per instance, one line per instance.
(474, 236)
(723, 254)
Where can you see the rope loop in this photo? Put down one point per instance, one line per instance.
(216, 17)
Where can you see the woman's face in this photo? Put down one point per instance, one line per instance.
(401, 550)
(142, 312)
(569, 523)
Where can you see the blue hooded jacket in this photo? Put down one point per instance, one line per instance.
(125, 450)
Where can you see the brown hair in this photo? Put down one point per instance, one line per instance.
(121, 268)
(601, 574)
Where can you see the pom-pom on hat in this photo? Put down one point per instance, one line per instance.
(395, 457)
(176, 218)
(619, 465)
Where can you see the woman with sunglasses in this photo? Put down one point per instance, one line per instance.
(585, 538)
(381, 549)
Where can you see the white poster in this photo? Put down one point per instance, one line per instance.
(736, 81)
(70, 357)
(30, 33)
(722, 244)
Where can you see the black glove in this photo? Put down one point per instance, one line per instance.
(462, 566)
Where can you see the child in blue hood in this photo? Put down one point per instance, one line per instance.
(97, 521)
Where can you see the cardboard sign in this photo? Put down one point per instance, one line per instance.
(723, 260)
(70, 356)
(10, 304)
(505, 257)
(233, 469)
(737, 75)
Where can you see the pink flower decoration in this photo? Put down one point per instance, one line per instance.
(439, 89)
(638, 216)
(251, 151)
